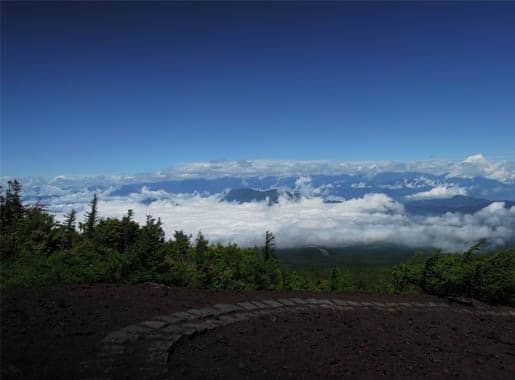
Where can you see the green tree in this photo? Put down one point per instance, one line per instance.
(129, 232)
(182, 244)
(69, 220)
(201, 247)
(91, 220)
(11, 207)
(67, 230)
(269, 248)
(148, 249)
(334, 279)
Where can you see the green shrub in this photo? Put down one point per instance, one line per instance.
(488, 277)
(63, 268)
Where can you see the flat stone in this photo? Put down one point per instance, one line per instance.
(286, 302)
(378, 304)
(341, 302)
(264, 312)
(272, 303)
(325, 306)
(227, 308)
(184, 315)
(298, 301)
(211, 324)
(191, 328)
(169, 319)
(137, 329)
(204, 312)
(172, 329)
(242, 316)
(120, 337)
(317, 301)
(260, 305)
(227, 319)
(128, 334)
(247, 305)
(154, 324)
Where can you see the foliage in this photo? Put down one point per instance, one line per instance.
(489, 277)
(38, 250)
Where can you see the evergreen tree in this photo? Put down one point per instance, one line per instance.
(334, 279)
(201, 247)
(182, 244)
(11, 208)
(91, 217)
(269, 247)
(69, 220)
(67, 230)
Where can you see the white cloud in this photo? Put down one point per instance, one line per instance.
(374, 218)
(439, 192)
(475, 165)
(478, 166)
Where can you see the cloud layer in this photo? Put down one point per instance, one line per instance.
(473, 166)
(364, 214)
(439, 192)
(372, 219)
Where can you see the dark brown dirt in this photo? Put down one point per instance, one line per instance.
(48, 332)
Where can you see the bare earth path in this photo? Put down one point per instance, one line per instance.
(152, 331)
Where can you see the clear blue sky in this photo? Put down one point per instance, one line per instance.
(128, 87)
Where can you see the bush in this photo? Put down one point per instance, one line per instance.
(63, 268)
(488, 277)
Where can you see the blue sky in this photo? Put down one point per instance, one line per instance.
(126, 87)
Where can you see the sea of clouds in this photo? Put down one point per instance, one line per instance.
(374, 218)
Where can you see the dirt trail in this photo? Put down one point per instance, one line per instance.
(152, 331)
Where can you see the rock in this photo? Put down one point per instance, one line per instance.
(153, 324)
(227, 308)
(272, 303)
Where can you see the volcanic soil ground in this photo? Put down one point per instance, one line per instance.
(49, 333)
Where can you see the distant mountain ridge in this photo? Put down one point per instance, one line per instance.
(395, 185)
(458, 203)
(251, 195)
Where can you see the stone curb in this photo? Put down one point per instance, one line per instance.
(159, 337)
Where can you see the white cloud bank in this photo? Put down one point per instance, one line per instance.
(374, 218)
(473, 166)
(439, 192)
